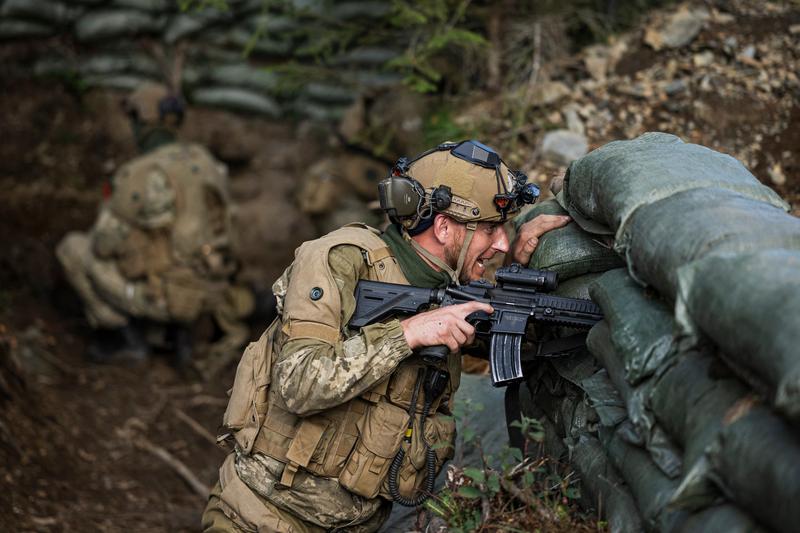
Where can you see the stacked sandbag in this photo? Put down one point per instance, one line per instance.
(748, 305)
(602, 189)
(696, 388)
(569, 251)
(226, 50)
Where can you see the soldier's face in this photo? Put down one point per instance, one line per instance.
(489, 239)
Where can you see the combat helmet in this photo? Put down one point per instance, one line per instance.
(151, 102)
(467, 181)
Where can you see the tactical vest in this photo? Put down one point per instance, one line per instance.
(354, 442)
(183, 188)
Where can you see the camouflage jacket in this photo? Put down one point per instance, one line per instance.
(339, 400)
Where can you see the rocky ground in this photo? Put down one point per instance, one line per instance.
(720, 74)
(86, 448)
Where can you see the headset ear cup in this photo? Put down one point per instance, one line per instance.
(441, 198)
(401, 197)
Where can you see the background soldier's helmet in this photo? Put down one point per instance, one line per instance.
(467, 181)
(151, 103)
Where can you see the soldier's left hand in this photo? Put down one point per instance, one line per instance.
(527, 238)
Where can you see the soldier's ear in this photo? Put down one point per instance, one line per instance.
(443, 228)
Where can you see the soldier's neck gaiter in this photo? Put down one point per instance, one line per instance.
(148, 138)
(416, 270)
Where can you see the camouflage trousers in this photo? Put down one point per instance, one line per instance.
(110, 299)
(234, 507)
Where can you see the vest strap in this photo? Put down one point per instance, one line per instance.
(294, 329)
(287, 478)
(374, 256)
(299, 454)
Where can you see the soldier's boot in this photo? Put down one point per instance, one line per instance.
(184, 346)
(125, 345)
(134, 350)
(102, 344)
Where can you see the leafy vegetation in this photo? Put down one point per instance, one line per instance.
(526, 492)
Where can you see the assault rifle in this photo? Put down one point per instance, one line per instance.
(517, 299)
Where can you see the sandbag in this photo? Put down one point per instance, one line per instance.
(756, 463)
(189, 23)
(644, 430)
(156, 6)
(124, 63)
(605, 487)
(47, 11)
(691, 398)
(641, 326)
(234, 99)
(123, 82)
(272, 24)
(243, 39)
(109, 24)
(577, 287)
(329, 93)
(343, 11)
(650, 487)
(603, 188)
(569, 251)
(564, 404)
(183, 25)
(18, 29)
(748, 305)
(724, 517)
(244, 76)
(665, 235)
(374, 57)
(604, 398)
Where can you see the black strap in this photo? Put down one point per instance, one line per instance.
(555, 347)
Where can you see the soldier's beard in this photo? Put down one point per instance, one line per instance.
(451, 253)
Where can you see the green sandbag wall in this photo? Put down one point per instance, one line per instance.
(226, 49)
(689, 396)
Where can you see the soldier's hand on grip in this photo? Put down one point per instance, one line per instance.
(445, 326)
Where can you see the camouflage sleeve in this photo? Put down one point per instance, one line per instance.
(313, 375)
(108, 234)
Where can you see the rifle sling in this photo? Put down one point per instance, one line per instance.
(555, 347)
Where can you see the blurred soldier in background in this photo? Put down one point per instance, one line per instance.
(338, 190)
(158, 253)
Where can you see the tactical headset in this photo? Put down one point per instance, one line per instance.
(404, 198)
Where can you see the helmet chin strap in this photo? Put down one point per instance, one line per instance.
(471, 227)
(454, 274)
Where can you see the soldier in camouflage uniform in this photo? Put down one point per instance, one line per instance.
(331, 425)
(158, 251)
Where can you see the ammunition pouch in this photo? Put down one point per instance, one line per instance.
(380, 434)
(248, 403)
(186, 294)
